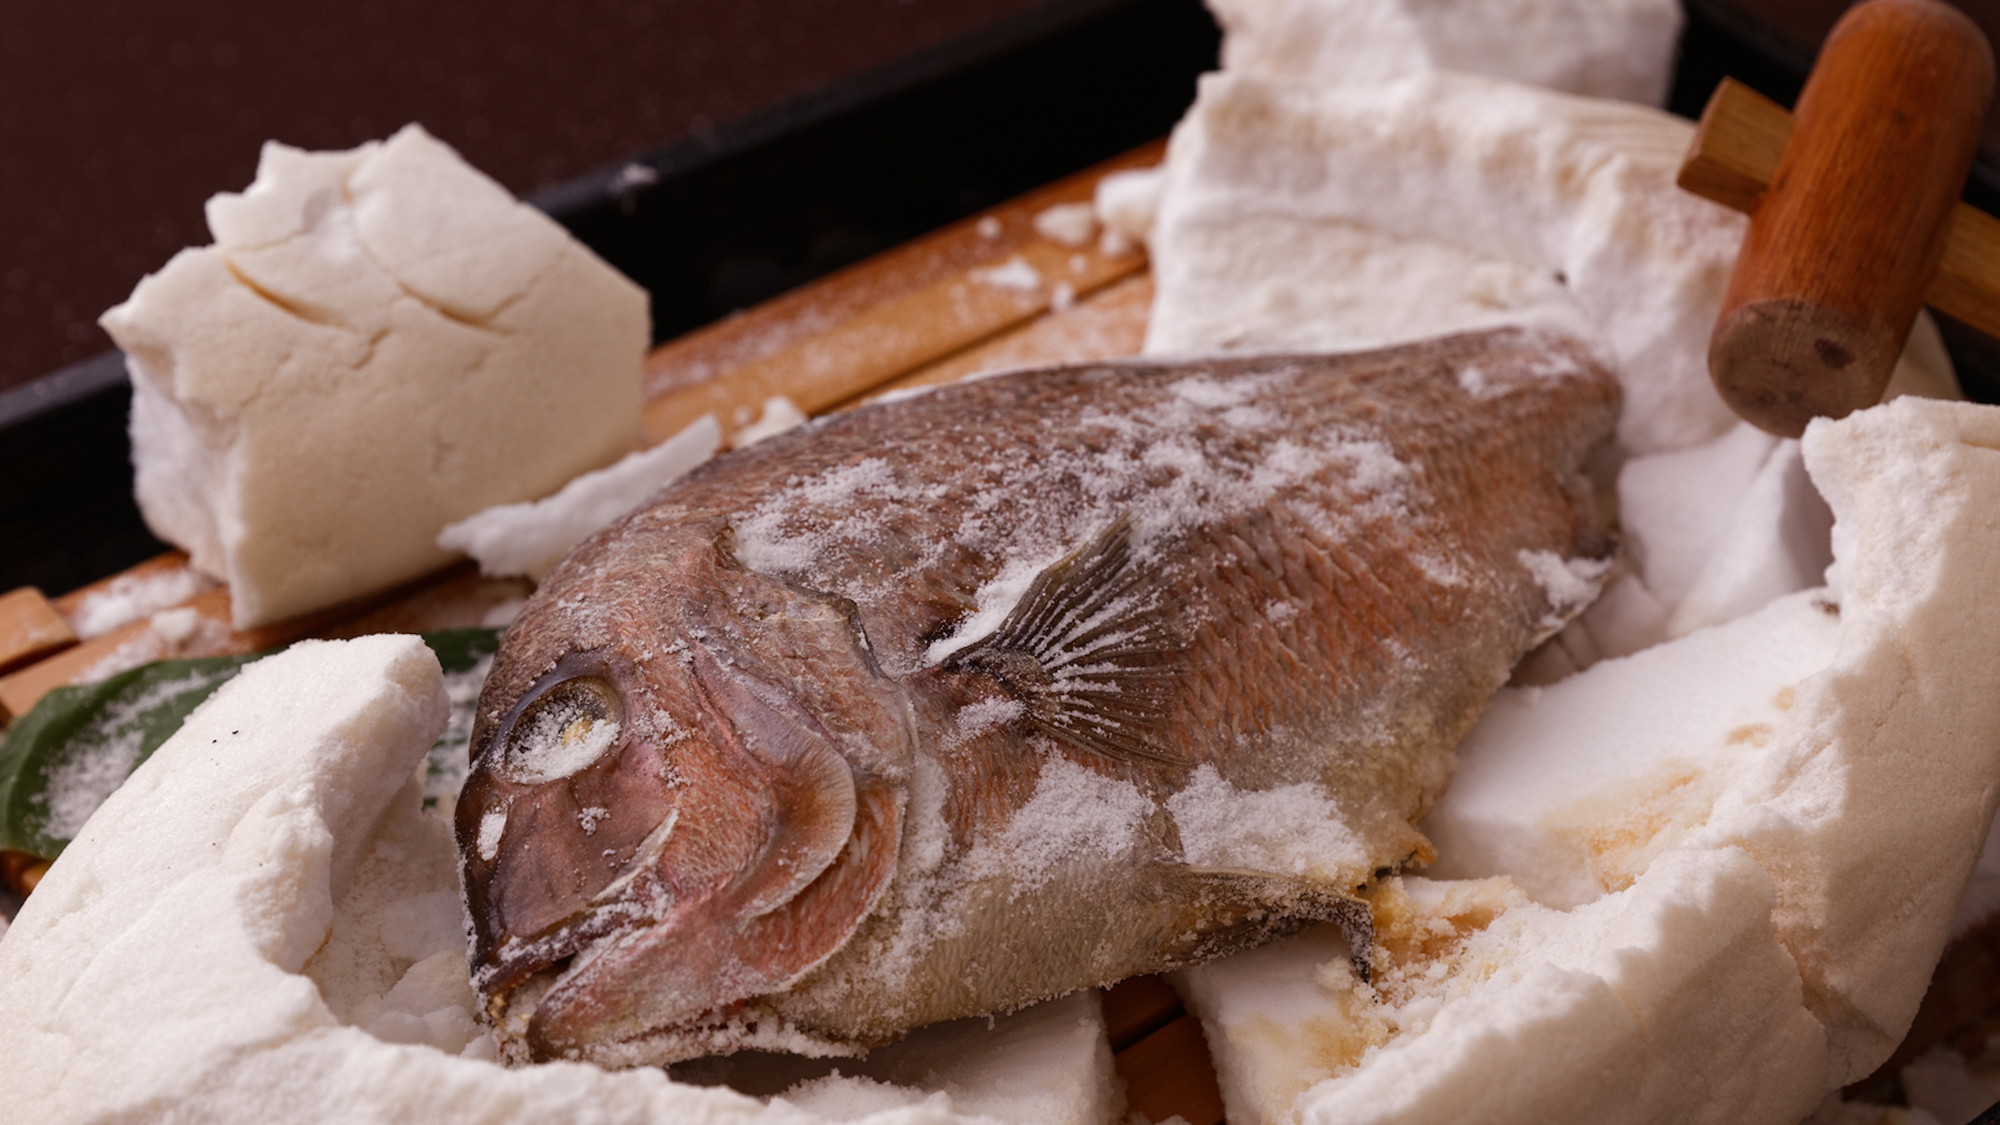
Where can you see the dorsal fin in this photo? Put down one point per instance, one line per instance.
(1088, 652)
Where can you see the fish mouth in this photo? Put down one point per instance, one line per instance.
(634, 899)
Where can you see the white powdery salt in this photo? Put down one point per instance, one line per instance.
(1071, 224)
(1569, 583)
(1475, 383)
(1015, 273)
(1292, 828)
(558, 743)
(528, 539)
(975, 719)
(492, 825)
(1074, 811)
(132, 596)
(92, 770)
(778, 415)
(175, 626)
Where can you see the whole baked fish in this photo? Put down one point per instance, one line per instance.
(963, 701)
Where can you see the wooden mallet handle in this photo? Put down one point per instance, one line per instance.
(1842, 247)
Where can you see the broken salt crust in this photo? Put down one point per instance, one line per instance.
(380, 342)
(1747, 843)
(1313, 218)
(1600, 48)
(262, 917)
(529, 539)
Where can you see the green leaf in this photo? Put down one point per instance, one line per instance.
(61, 760)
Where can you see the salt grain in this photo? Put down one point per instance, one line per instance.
(558, 742)
(1075, 811)
(1294, 828)
(491, 825)
(133, 596)
(1071, 224)
(1015, 273)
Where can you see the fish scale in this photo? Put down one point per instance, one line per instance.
(944, 669)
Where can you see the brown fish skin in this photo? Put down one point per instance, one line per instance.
(840, 804)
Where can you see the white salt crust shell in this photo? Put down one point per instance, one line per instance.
(262, 925)
(1750, 843)
(1620, 49)
(1315, 217)
(365, 355)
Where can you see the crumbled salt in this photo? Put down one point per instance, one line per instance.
(976, 719)
(130, 597)
(175, 626)
(492, 824)
(557, 742)
(1062, 296)
(779, 414)
(1074, 811)
(1071, 224)
(589, 818)
(1292, 828)
(988, 226)
(1475, 383)
(1569, 583)
(529, 538)
(103, 753)
(1015, 273)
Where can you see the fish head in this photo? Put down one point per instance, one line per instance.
(674, 804)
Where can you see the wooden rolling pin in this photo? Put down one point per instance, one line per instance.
(1846, 241)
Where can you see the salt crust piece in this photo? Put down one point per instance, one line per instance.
(1775, 940)
(1602, 48)
(529, 539)
(184, 961)
(778, 414)
(1126, 202)
(1641, 745)
(380, 342)
(1304, 218)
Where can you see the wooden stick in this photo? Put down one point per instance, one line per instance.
(1845, 242)
(1736, 151)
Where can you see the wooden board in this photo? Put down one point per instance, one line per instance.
(925, 313)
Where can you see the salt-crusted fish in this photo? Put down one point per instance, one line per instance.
(963, 701)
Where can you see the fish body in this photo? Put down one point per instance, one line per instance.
(959, 702)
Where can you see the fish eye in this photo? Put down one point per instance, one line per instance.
(560, 729)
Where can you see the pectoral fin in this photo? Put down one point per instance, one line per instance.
(1088, 651)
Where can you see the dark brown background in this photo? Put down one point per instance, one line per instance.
(119, 117)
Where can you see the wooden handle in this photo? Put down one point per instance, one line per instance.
(1845, 242)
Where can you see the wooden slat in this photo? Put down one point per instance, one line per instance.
(1110, 325)
(30, 628)
(1168, 1073)
(1136, 1008)
(876, 321)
